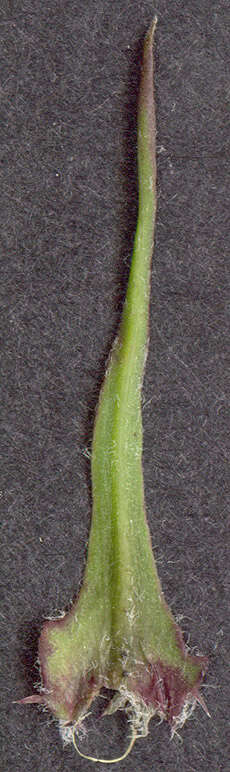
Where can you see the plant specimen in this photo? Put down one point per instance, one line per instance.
(120, 633)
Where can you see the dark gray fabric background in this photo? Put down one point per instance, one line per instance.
(69, 81)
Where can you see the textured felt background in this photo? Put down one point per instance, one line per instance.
(69, 80)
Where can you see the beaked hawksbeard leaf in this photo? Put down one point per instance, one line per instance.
(120, 633)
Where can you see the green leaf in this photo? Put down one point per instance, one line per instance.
(120, 633)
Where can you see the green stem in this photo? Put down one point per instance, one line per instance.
(118, 522)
